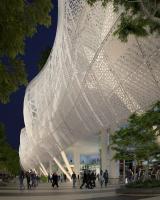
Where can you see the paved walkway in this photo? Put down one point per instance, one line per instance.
(66, 192)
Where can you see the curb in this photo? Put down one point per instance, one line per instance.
(152, 191)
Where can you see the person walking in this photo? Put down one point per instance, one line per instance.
(21, 179)
(49, 178)
(28, 176)
(61, 178)
(64, 177)
(33, 179)
(101, 178)
(129, 175)
(55, 180)
(74, 178)
(85, 179)
(93, 179)
(105, 176)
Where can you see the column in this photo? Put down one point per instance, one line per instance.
(50, 167)
(104, 150)
(62, 168)
(44, 169)
(106, 154)
(76, 158)
(114, 169)
(65, 159)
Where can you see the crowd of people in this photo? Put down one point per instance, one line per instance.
(31, 177)
(87, 179)
(55, 179)
(141, 174)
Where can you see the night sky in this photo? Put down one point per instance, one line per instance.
(11, 114)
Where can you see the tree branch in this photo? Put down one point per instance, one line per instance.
(144, 9)
(148, 14)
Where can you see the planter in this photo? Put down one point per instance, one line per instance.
(125, 190)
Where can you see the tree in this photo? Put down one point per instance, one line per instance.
(2, 142)
(12, 76)
(139, 17)
(151, 119)
(9, 158)
(138, 141)
(18, 19)
(134, 144)
(43, 58)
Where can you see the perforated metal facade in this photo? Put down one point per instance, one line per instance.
(90, 81)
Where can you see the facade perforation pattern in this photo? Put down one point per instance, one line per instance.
(91, 81)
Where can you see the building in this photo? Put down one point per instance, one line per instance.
(89, 86)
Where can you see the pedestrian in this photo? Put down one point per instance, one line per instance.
(33, 179)
(21, 179)
(74, 178)
(101, 178)
(28, 176)
(89, 180)
(37, 179)
(84, 181)
(55, 180)
(98, 177)
(93, 179)
(49, 178)
(64, 177)
(129, 175)
(61, 178)
(105, 176)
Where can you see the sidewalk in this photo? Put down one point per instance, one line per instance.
(65, 192)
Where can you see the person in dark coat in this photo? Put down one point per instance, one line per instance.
(64, 177)
(28, 177)
(105, 176)
(49, 178)
(55, 180)
(129, 175)
(21, 179)
(93, 179)
(74, 178)
(85, 180)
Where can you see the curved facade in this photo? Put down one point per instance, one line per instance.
(91, 81)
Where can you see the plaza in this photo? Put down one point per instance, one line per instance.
(66, 192)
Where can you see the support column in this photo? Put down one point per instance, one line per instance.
(104, 150)
(39, 171)
(62, 168)
(66, 162)
(35, 171)
(106, 154)
(114, 169)
(43, 172)
(76, 158)
(50, 167)
(43, 168)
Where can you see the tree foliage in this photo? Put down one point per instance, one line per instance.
(139, 17)
(138, 141)
(9, 158)
(18, 19)
(12, 76)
